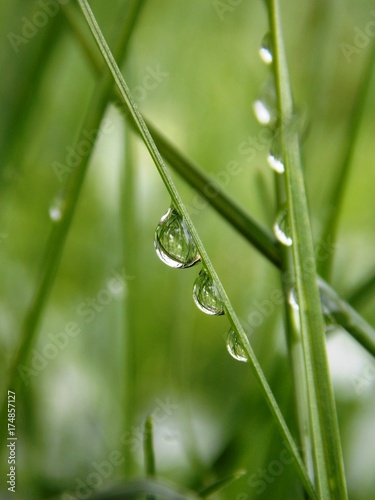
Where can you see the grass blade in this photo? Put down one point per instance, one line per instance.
(221, 484)
(164, 174)
(327, 454)
(148, 447)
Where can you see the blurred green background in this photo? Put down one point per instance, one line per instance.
(149, 345)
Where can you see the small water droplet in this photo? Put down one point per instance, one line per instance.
(235, 348)
(173, 242)
(293, 299)
(56, 210)
(265, 106)
(265, 50)
(282, 230)
(275, 157)
(206, 295)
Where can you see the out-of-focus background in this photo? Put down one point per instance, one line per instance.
(127, 339)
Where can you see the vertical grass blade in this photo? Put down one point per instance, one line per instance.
(165, 176)
(148, 450)
(148, 447)
(327, 454)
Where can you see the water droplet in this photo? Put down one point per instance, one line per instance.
(293, 299)
(265, 50)
(282, 230)
(56, 210)
(265, 106)
(173, 242)
(235, 348)
(275, 157)
(206, 295)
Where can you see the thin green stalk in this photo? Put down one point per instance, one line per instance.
(257, 235)
(164, 174)
(327, 454)
(148, 450)
(60, 229)
(341, 179)
(221, 484)
(148, 447)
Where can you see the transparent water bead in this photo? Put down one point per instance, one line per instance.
(206, 295)
(235, 348)
(275, 157)
(56, 210)
(282, 230)
(173, 242)
(265, 51)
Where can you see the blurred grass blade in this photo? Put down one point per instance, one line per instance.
(148, 447)
(60, 230)
(327, 454)
(136, 489)
(221, 484)
(164, 174)
(342, 175)
(24, 99)
(254, 232)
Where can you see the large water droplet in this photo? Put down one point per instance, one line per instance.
(282, 230)
(266, 49)
(173, 242)
(235, 348)
(56, 210)
(265, 106)
(275, 157)
(206, 295)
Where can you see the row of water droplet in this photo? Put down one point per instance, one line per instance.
(174, 245)
(265, 109)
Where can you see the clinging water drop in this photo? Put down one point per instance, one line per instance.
(282, 230)
(206, 295)
(173, 242)
(265, 51)
(275, 157)
(235, 348)
(265, 107)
